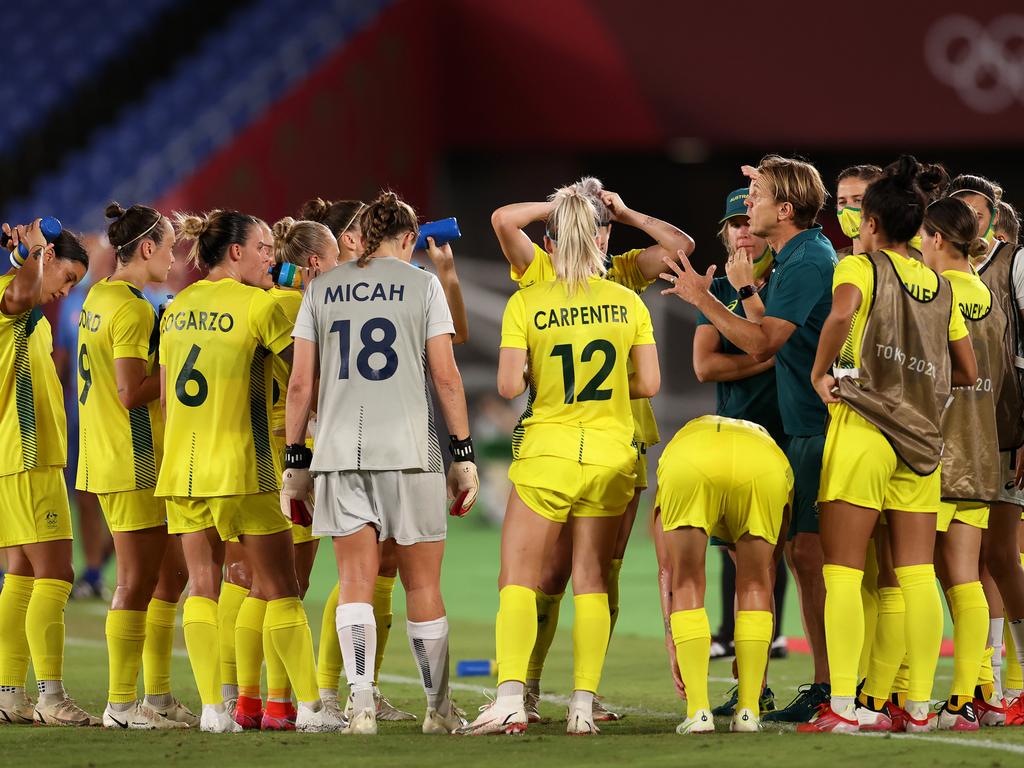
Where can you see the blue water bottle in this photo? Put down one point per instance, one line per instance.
(443, 231)
(476, 668)
(51, 228)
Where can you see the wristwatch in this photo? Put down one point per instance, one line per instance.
(746, 292)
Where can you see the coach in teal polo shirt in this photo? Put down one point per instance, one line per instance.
(785, 199)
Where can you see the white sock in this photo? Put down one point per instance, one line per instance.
(120, 706)
(429, 643)
(159, 700)
(511, 689)
(841, 704)
(357, 634)
(582, 699)
(228, 691)
(51, 688)
(1017, 632)
(14, 690)
(328, 693)
(995, 642)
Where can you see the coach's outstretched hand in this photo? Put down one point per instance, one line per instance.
(463, 487)
(297, 485)
(687, 283)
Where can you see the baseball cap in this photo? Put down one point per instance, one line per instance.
(735, 204)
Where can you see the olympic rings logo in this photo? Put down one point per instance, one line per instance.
(985, 65)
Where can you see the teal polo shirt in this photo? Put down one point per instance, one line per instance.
(800, 292)
(755, 398)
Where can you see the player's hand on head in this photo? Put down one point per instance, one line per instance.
(750, 172)
(614, 203)
(463, 487)
(686, 282)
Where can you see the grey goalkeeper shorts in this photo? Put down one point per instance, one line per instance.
(407, 505)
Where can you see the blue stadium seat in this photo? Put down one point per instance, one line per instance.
(263, 52)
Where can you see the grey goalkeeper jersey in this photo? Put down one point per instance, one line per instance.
(371, 325)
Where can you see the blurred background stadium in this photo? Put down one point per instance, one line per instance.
(464, 105)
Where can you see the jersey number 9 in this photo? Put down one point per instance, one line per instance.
(84, 373)
(371, 346)
(591, 390)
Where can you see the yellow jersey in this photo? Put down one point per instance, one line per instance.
(119, 449)
(623, 270)
(578, 349)
(970, 294)
(217, 342)
(917, 279)
(290, 301)
(33, 425)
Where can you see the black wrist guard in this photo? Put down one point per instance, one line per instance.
(297, 456)
(746, 292)
(461, 450)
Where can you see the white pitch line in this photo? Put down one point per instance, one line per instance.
(1017, 749)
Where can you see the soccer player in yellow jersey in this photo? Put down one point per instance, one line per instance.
(120, 445)
(862, 473)
(219, 471)
(725, 477)
(35, 519)
(310, 248)
(635, 269)
(971, 472)
(574, 461)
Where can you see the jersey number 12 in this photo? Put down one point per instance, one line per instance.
(591, 390)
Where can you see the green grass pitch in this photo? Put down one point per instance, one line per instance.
(636, 681)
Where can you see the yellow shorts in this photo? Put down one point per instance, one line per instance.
(302, 534)
(972, 513)
(34, 507)
(133, 510)
(253, 514)
(555, 488)
(860, 467)
(726, 479)
(641, 466)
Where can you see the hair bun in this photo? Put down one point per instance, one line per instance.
(590, 185)
(281, 230)
(933, 180)
(977, 247)
(907, 169)
(114, 211)
(191, 225)
(315, 209)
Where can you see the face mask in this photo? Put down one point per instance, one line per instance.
(915, 243)
(763, 263)
(849, 221)
(990, 232)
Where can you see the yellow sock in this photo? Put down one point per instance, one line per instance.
(590, 632)
(1014, 680)
(753, 635)
(548, 607)
(924, 627)
(613, 591)
(278, 687)
(328, 662)
(691, 633)
(126, 634)
(288, 628)
(901, 683)
(231, 597)
(890, 644)
(985, 673)
(844, 626)
(515, 631)
(44, 627)
(159, 646)
(1014, 675)
(249, 646)
(202, 640)
(869, 597)
(14, 651)
(970, 635)
(383, 589)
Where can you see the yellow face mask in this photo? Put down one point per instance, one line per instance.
(849, 221)
(915, 243)
(763, 263)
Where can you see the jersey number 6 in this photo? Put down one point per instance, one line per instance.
(189, 373)
(591, 389)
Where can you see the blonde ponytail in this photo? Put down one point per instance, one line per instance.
(572, 227)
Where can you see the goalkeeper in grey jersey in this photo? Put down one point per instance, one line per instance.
(371, 330)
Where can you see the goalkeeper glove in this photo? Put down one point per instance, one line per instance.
(463, 482)
(297, 485)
